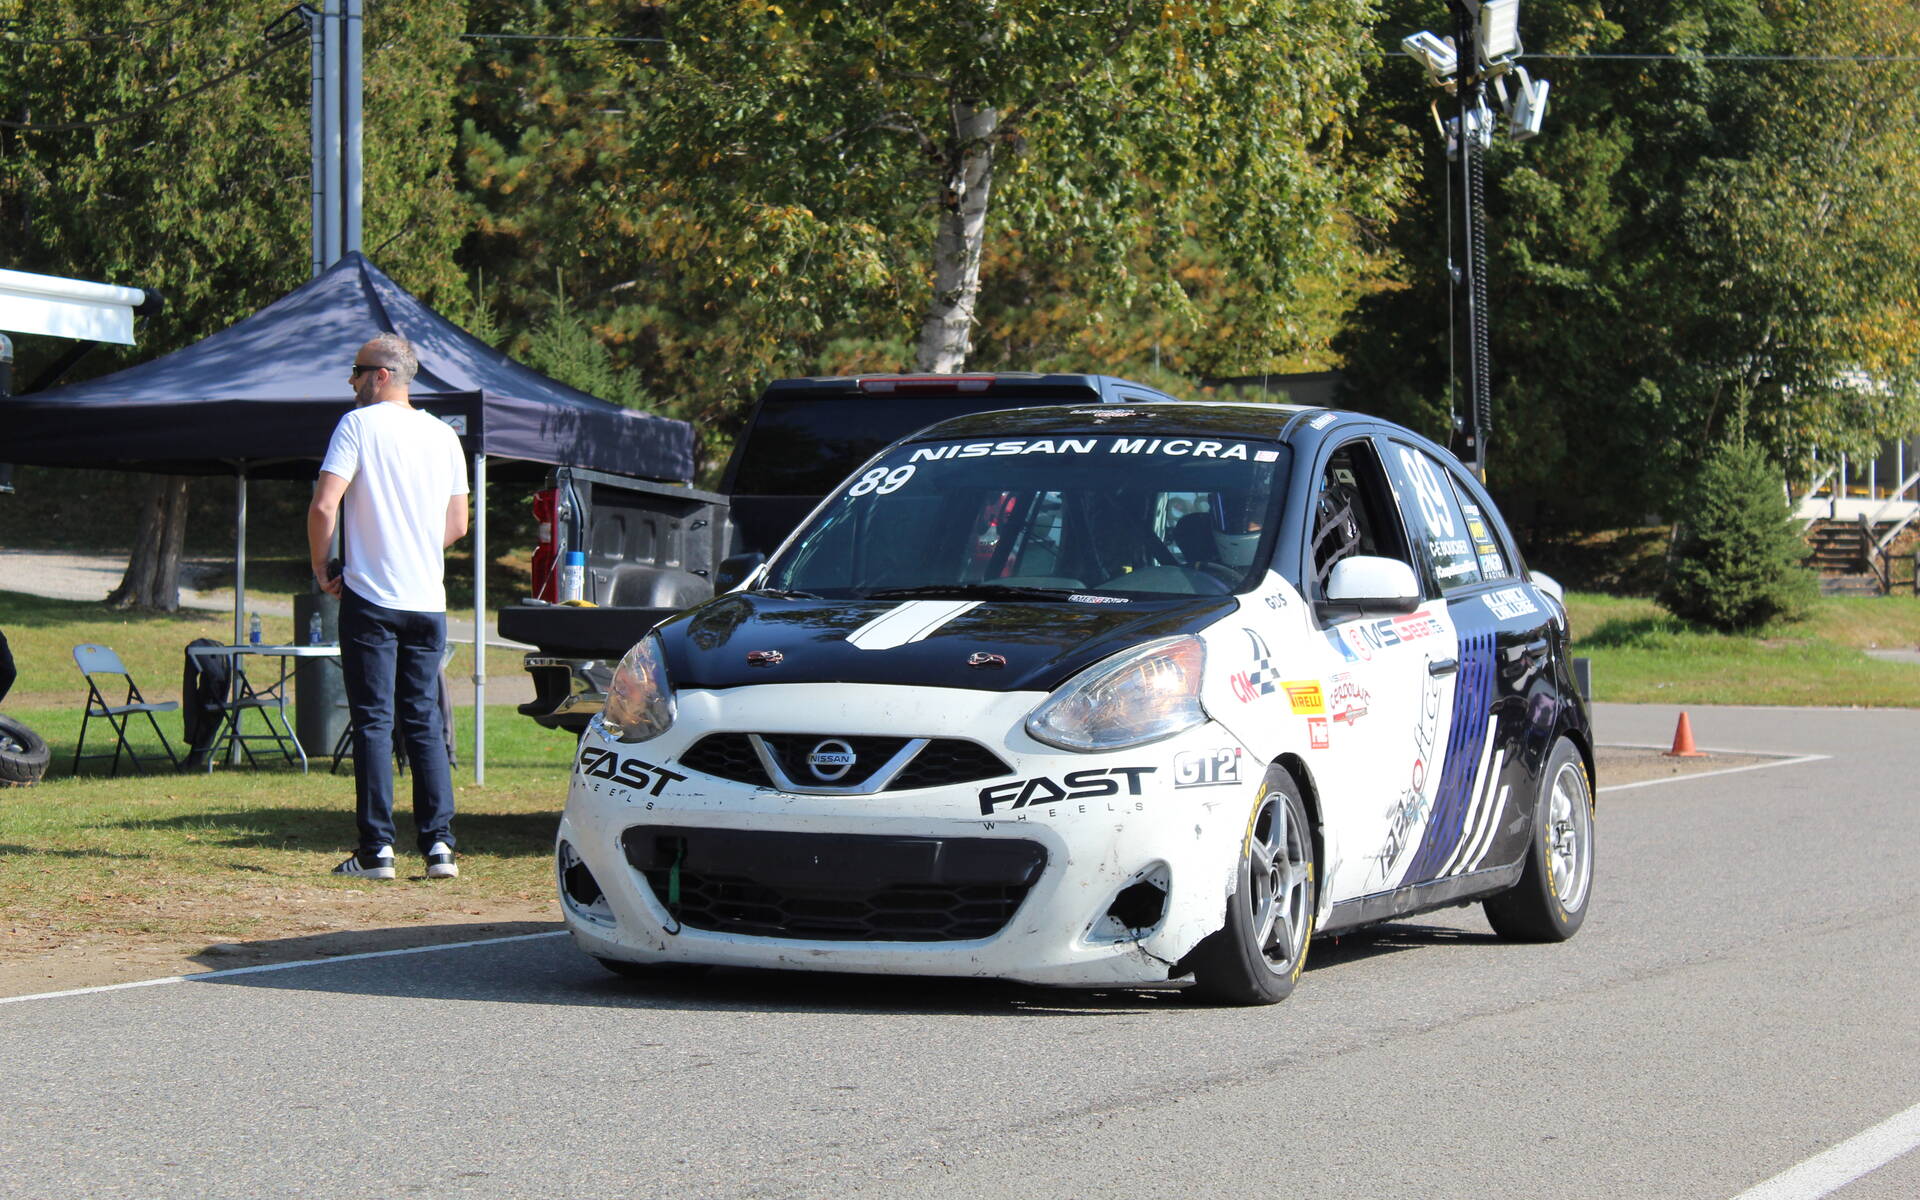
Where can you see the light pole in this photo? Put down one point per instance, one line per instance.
(1485, 44)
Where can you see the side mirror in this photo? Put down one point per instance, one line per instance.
(1365, 581)
(734, 570)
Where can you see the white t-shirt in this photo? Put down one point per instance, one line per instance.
(402, 466)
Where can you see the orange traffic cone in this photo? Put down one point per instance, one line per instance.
(1683, 740)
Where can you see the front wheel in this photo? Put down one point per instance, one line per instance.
(1257, 956)
(1550, 901)
(23, 754)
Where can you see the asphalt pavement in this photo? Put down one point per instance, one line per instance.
(1745, 996)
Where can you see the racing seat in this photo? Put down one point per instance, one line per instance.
(96, 661)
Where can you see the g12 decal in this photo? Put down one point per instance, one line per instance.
(596, 763)
(1207, 768)
(1075, 785)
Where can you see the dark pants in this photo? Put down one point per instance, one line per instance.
(391, 660)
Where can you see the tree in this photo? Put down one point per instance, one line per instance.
(1737, 563)
(811, 187)
(897, 138)
(167, 147)
(1686, 230)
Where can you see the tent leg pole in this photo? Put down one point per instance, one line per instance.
(480, 619)
(234, 746)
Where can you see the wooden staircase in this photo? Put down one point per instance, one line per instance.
(1847, 560)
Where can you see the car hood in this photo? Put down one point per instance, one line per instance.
(929, 643)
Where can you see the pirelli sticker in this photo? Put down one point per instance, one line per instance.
(1306, 696)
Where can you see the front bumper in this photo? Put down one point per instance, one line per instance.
(1074, 869)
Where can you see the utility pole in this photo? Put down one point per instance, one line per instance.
(1483, 51)
(1471, 283)
(335, 127)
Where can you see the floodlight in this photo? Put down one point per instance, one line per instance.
(1499, 30)
(1434, 53)
(1529, 106)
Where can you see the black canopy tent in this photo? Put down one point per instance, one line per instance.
(260, 399)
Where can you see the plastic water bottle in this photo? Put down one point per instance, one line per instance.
(573, 577)
(315, 631)
(253, 629)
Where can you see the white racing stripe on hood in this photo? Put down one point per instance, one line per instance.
(909, 623)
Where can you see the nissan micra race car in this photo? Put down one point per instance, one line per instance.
(1102, 695)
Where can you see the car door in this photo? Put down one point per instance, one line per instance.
(1500, 628)
(1375, 716)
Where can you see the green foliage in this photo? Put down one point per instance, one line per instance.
(759, 195)
(188, 172)
(1685, 232)
(563, 346)
(1737, 562)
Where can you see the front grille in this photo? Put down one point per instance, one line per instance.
(835, 887)
(946, 761)
(727, 756)
(940, 763)
(790, 750)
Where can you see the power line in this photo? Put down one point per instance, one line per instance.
(1756, 58)
(555, 37)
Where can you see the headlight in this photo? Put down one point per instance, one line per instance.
(639, 700)
(1141, 696)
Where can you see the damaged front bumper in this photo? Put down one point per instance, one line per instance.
(1066, 869)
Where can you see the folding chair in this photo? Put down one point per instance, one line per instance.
(94, 660)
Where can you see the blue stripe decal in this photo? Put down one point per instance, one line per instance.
(1472, 707)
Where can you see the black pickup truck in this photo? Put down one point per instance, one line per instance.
(653, 549)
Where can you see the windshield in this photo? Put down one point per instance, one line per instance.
(1056, 517)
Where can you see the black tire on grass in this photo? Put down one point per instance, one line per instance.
(23, 754)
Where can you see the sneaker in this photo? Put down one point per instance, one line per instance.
(378, 865)
(440, 864)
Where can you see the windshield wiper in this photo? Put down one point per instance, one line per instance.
(983, 591)
(784, 594)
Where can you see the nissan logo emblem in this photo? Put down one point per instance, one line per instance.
(830, 760)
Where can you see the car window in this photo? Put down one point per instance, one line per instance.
(1486, 547)
(803, 446)
(1351, 512)
(1425, 491)
(1084, 513)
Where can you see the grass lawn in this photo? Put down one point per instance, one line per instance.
(43, 633)
(239, 852)
(112, 866)
(1643, 655)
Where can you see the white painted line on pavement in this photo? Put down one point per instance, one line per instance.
(1785, 762)
(230, 972)
(1831, 1170)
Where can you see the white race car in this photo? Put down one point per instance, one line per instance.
(1111, 694)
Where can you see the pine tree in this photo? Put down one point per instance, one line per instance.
(1737, 563)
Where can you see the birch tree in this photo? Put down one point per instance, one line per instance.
(886, 144)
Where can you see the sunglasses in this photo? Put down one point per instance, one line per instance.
(360, 367)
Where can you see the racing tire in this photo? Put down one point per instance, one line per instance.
(23, 754)
(1550, 901)
(1257, 956)
(665, 972)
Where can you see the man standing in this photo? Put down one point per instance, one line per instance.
(399, 475)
